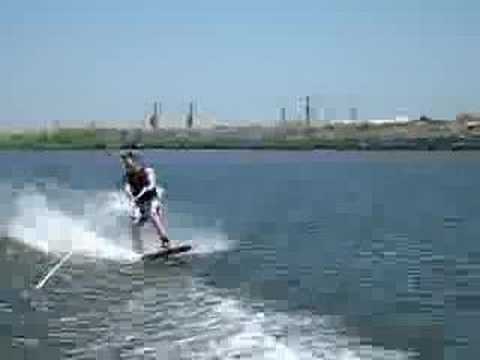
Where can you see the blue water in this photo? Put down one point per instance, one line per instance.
(299, 255)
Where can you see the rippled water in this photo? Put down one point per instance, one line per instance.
(315, 255)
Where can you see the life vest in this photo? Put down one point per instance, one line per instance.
(138, 180)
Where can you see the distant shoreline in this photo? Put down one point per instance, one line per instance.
(414, 136)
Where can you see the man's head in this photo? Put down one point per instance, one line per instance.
(131, 161)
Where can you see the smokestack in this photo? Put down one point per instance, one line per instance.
(283, 116)
(307, 111)
(190, 116)
(154, 117)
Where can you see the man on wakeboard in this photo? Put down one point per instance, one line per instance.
(140, 187)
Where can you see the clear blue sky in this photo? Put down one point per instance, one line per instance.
(97, 60)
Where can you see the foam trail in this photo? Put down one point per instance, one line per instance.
(50, 230)
(210, 242)
(203, 241)
(271, 335)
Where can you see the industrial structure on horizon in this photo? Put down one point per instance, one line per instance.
(303, 114)
(152, 120)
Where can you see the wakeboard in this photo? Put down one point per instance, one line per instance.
(164, 253)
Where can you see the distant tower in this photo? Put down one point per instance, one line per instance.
(153, 118)
(283, 116)
(190, 116)
(307, 111)
(353, 114)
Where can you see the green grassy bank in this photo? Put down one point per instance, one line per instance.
(440, 135)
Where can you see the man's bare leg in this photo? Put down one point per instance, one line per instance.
(135, 217)
(160, 228)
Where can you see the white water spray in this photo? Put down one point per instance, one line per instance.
(40, 225)
(101, 229)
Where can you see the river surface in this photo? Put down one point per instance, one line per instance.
(296, 255)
